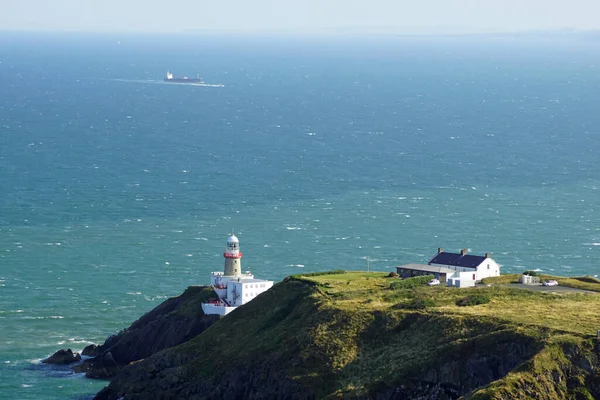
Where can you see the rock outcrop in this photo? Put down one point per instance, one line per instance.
(63, 357)
(91, 350)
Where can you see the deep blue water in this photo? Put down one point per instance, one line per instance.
(118, 190)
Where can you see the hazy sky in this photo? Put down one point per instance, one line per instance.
(307, 15)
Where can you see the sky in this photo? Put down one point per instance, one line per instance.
(298, 15)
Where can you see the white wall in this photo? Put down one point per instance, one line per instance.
(251, 290)
(240, 292)
(210, 309)
(462, 279)
(488, 268)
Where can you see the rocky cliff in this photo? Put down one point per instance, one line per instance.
(173, 322)
(311, 339)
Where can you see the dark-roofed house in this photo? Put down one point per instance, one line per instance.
(457, 269)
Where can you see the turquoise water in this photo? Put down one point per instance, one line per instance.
(118, 191)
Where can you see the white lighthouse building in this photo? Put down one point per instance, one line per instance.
(233, 288)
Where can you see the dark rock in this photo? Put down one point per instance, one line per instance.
(103, 366)
(63, 357)
(91, 350)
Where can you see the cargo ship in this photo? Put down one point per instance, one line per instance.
(185, 79)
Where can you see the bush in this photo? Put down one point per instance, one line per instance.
(410, 283)
(416, 304)
(393, 275)
(530, 273)
(473, 300)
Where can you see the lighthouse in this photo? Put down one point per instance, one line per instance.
(233, 257)
(232, 287)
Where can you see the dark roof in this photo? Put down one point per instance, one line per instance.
(457, 260)
(427, 268)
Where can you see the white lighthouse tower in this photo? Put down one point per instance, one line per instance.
(233, 257)
(232, 287)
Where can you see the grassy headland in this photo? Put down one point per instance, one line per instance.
(356, 335)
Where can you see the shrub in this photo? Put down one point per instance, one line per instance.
(416, 304)
(473, 300)
(393, 275)
(410, 283)
(530, 273)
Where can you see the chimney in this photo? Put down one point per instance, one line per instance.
(488, 255)
(463, 252)
(440, 250)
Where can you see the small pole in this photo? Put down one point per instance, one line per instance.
(368, 265)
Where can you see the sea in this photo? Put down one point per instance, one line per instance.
(118, 190)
